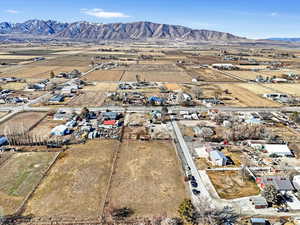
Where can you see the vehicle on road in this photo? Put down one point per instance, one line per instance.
(196, 192)
(194, 184)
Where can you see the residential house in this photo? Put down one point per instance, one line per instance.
(60, 130)
(279, 182)
(218, 158)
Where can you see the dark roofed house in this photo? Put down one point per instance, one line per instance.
(279, 182)
(110, 115)
(56, 99)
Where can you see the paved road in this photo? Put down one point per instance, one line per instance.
(188, 158)
(150, 108)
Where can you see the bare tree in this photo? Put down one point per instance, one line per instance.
(197, 91)
(209, 215)
(271, 194)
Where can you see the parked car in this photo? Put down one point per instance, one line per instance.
(191, 177)
(196, 192)
(194, 184)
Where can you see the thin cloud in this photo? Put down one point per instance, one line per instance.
(100, 13)
(274, 14)
(12, 11)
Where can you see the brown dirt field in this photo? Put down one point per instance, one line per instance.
(173, 87)
(104, 87)
(105, 75)
(206, 74)
(19, 175)
(157, 76)
(162, 61)
(40, 72)
(154, 68)
(78, 60)
(256, 88)
(229, 185)
(88, 98)
(205, 59)
(77, 183)
(246, 97)
(291, 89)
(149, 174)
(45, 126)
(272, 73)
(250, 75)
(210, 75)
(22, 120)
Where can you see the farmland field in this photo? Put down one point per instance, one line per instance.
(101, 87)
(249, 75)
(157, 76)
(76, 184)
(22, 121)
(246, 97)
(256, 88)
(105, 75)
(44, 127)
(88, 98)
(291, 89)
(78, 60)
(149, 174)
(39, 72)
(19, 175)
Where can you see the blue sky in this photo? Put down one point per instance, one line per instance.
(252, 19)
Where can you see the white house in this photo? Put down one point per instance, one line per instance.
(218, 158)
(60, 130)
(278, 149)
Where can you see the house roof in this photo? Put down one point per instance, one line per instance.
(278, 149)
(258, 220)
(217, 155)
(110, 114)
(259, 201)
(59, 129)
(279, 182)
(156, 99)
(109, 122)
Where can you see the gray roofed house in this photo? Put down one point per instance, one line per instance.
(110, 115)
(279, 182)
(218, 158)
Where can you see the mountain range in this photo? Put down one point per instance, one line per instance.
(285, 39)
(86, 31)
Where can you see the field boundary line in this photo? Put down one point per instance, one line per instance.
(112, 171)
(122, 75)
